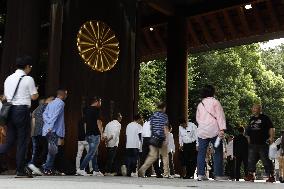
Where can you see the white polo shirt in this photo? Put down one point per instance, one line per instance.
(26, 88)
(113, 129)
(188, 134)
(146, 130)
(132, 135)
(171, 143)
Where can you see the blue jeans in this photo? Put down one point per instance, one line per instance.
(94, 142)
(52, 140)
(39, 152)
(217, 157)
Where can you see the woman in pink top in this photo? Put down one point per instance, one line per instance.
(211, 124)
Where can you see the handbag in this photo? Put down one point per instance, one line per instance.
(3, 134)
(4, 113)
(156, 141)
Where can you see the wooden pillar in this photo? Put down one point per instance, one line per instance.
(177, 71)
(21, 37)
(54, 50)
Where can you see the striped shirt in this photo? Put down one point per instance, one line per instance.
(159, 121)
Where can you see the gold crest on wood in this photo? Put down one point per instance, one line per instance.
(98, 45)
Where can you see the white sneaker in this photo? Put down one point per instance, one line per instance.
(221, 178)
(202, 178)
(123, 170)
(134, 175)
(170, 177)
(109, 174)
(98, 174)
(81, 172)
(34, 169)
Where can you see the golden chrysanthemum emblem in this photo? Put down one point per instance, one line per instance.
(98, 45)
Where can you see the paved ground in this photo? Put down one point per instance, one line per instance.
(79, 182)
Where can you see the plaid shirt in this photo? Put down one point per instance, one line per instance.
(39, 119)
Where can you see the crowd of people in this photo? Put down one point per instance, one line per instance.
(203, 148)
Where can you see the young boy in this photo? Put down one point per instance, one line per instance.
(240, 149)
(171, 151)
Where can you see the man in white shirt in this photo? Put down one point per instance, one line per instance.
(188, 146)
(111, 136)
(133, 142)
(19, 120)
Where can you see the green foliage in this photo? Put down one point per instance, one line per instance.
(242, 75)
(273, 59)
(152, 86)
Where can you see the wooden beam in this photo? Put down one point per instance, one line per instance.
(272, 14)
(217, 26)
(193, 33)
(229, 23)
(243, 20)
(259, 22)
(148, 40)
(204, 29)
(163, 6)
(196, 9)
(206, 6)
(157, 35)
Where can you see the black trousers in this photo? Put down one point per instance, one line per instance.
(257, 152)
(18, 128)
(230, 167)
(111, 152)
(241, 158)
(132, 155)
(190, 158)
(40, 148)
(171, 163)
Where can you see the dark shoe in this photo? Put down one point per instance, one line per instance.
(48, 172)
(249, 178)
(271, 179)
(26, 174)
(23, 175)
(58, 173)
(187, 177)
(141, 174)
(159, 176)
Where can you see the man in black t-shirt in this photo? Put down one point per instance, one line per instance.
(260, 132)
(94, 135)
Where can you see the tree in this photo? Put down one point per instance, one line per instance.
(152, 86)
(242, 75)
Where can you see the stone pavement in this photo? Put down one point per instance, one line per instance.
(89, 182)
